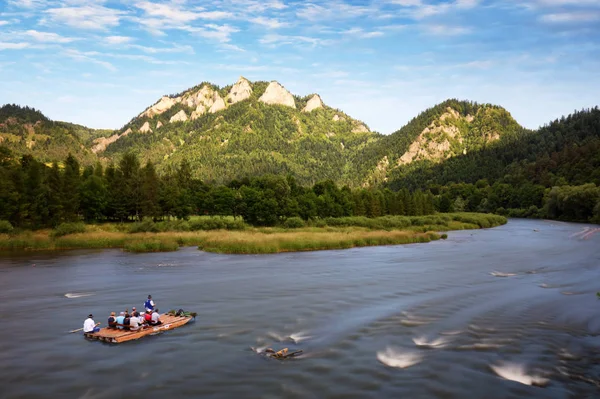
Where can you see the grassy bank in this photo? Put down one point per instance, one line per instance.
(229, 236)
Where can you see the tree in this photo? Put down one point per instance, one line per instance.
(70, 189)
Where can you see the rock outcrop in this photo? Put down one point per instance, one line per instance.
(312, 104)
(434, 142)
(360, 128)
(218, 104)
(101, 143)
(277, 94)
(146, 128)
(181, 116)
(241, 90)
(337, 118)
(158, 125)
(161, 106)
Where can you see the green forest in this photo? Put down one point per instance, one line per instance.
(35, 195)
(553, 172)
(269, 164)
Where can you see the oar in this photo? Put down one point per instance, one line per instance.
(79, 329)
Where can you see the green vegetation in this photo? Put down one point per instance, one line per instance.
(264, 165)
(26, 131)
(329, 233)
(550, 173)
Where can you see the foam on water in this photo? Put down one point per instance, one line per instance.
(299, 337)
(501, 274)
(72, 295)
(392, 357)
(423, 342)
(516, 372)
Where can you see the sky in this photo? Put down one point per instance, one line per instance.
(99, 63)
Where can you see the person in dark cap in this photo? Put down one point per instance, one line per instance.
(149, 304)
(89, 326)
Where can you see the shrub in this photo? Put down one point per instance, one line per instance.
(444, 236)
(5, 227)
(67, 228)
(150, 246)
(217, 224)
(293, 223)
(145, 226)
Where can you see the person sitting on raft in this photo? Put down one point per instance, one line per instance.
(148, 317)
(155, 318)
(120, 320)
(149, 304)
(134, 323)
(112, 321)
(89, 326)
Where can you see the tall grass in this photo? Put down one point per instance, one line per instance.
(227, 235)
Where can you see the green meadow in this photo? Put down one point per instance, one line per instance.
(233, 236)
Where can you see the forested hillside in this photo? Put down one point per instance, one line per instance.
(247, 129)
(26, 130)
(552, 172)
(446, 130)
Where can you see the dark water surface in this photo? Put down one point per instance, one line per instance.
(501, 313)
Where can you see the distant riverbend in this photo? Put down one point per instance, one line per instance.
(331, 233)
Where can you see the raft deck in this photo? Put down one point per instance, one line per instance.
(117, 336)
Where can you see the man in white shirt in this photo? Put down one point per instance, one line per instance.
(156, 318)
(134, 323)
(89, 326)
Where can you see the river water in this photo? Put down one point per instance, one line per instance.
(500, 313)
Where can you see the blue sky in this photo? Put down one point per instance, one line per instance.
(100, 63)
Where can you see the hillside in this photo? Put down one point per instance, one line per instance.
(553, 172)
(25, 130)
(246, 129)
(446, 130)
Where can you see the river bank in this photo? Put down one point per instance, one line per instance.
(331, 233)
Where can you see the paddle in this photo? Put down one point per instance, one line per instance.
(79, 329)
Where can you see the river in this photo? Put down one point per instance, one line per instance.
(508, 312)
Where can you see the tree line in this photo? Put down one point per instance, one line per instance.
(36, 195)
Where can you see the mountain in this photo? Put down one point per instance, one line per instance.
(245, 129)
(25, 130)
(446, 130)
(566, 151)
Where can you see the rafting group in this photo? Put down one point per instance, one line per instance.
(133, 321)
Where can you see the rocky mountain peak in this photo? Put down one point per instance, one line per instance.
(314, 103)
(277, 94)
(240, 91)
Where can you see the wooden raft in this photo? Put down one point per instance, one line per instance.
(117, 336)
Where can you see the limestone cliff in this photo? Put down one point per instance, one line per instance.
(312, 104)
(241, 90)
(179, 117)
(277, 94)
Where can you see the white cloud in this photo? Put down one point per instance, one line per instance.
(4, 23)
(155, 50)
(219, 33)
(570, 17)
(445, 30)
(28, 3)
(559, 3)
(418, 9)
(86, 17)
(48, 37)
(13, 46)
(360, 33)
(271, 23)
(88, 56)
(118, 39)
(333, 10)
(276, 40)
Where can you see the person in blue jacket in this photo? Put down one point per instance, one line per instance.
(149, 304)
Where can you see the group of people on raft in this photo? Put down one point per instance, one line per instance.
(128, 321)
